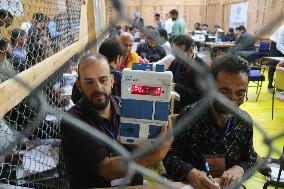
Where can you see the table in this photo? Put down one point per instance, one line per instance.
(275, 58)
(220, 45)
(6, 186)
(156, 186)
(272, 60)
(216, 49)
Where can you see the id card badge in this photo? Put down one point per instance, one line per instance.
(216, 164)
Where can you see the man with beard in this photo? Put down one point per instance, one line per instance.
(150, 49)
(129, 57)
(217, 137)
(88, 161)
(179, 24)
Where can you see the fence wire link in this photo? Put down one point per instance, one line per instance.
(30, 133)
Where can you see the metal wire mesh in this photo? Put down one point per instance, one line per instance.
(30, 133)
(36, 30)
(30, 138)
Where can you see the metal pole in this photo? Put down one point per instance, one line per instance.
(206, 11)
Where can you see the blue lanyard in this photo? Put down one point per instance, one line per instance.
(217, 144)
(111, 133)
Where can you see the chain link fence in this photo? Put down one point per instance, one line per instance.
(30, 133)
(32, 31)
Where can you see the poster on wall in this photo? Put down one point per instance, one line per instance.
(239, 14)
(15, 7)
(98, 16)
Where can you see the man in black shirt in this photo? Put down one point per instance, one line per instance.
(6, 18)
(217, 136)
(88, 161)
(150, 50)
(245, 42)
(185, 78)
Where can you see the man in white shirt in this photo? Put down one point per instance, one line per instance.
(26, 26)
(276, 50)
(168, 23)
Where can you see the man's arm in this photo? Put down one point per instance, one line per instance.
(175, 166)
(111, 168)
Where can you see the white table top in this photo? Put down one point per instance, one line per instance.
(275, 58)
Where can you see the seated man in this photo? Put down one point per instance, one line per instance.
(150, 49)
(185, 78)
(217, 135)
(130, 57)
(197, 27)
(219, 33)
(230, 36)
(88, 161)
(245, 42)
(6, 69)
(206, 29)
(6, 18)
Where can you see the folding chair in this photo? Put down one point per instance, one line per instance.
(278, 84)
(257, 78)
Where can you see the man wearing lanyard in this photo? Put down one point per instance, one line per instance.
(217, 136)
(88, 162)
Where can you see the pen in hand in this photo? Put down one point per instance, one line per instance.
(207, 170)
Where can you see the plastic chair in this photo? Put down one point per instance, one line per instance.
(278, 84)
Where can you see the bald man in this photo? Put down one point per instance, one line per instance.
(88, 162)
(129, 57)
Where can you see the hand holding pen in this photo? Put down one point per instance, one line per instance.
(199, 180)
(207, 170)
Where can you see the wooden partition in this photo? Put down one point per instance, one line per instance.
(260, 14)
(191, 10)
